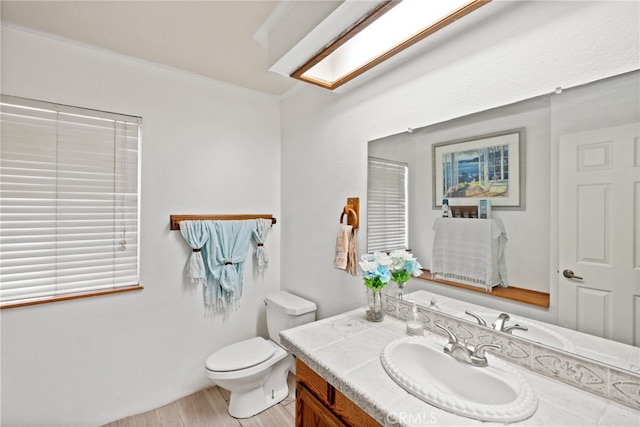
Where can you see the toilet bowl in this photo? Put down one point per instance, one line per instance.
(255, 370)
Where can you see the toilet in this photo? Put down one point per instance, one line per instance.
(255, 370)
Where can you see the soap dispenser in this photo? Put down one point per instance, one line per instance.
(414, 325)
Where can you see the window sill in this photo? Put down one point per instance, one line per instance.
(46, 300)
(526, 296)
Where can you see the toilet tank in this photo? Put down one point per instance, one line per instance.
(286, 310)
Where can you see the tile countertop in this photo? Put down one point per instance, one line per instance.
(345, 350)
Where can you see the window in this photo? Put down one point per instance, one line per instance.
(387, 204)
(69, 201)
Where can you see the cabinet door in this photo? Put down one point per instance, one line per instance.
(317, 385)
(351, 413)
(311, 413)
(342, 409)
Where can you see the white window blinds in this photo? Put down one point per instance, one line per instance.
(68, 200)
(386, 205)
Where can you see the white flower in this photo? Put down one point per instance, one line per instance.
(376, 269)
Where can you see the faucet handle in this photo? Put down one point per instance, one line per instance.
(454, 348)
(509, 329)
(480, 320)
(452, 337)
(478, 357)
(480, 349)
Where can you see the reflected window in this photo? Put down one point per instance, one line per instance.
(387, 204)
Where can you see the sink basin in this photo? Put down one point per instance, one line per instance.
(494, 393)
(544, 336)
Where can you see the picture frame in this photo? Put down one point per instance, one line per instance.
(488, 166)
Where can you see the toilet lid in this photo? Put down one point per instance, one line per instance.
(240, 355)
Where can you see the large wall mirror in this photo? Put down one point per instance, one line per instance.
(579, 208)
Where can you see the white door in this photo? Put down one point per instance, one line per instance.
(599, 232)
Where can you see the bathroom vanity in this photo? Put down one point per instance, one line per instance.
(319, 403)
(340, 381)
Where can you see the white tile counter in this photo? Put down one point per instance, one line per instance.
(345, 350)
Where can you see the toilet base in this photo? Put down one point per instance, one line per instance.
(247, 403)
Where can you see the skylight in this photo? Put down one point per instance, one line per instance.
(390, 28)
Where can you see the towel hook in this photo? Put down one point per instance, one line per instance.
(350, 213)
(351, 210)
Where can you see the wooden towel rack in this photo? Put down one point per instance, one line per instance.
(352, 211)
(174, 220)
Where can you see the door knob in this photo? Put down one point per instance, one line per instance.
(569, 275)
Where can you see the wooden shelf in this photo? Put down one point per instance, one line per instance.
(526, 296)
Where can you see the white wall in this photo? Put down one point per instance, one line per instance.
(207, 148)
(528, 50)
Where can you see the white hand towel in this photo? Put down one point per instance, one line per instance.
(342, 247)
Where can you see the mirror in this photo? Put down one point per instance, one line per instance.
(613, 353)
(534, 252)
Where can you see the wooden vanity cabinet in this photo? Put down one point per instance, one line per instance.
(318, 403)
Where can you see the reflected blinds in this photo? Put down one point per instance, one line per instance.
(386, 205)
(69, 200)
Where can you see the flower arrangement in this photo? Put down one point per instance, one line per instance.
(403, 266)
(379, 268)
(376, 270)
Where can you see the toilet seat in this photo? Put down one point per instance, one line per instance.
(241, 355)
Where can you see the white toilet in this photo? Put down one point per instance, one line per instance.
(255, 370)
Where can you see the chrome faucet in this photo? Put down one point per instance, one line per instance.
(454, 348)
(461, 352)
(499, 324)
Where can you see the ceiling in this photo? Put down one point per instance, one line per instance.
(223, 40)
(236, 42)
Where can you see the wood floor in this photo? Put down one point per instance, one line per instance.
(208, 408)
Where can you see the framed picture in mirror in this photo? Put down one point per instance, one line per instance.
(484, 167)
